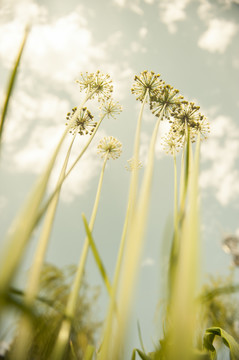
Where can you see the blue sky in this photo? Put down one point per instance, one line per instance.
(194, 46)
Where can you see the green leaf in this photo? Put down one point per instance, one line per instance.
(228, 340)
(142, 355)
(89, 352)
(11, 83)
(96, 254)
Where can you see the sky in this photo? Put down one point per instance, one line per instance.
(194, 46)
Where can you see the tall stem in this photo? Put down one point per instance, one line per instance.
(26, 326)
(64, 332)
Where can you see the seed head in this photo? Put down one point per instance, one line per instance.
(188, 116)
(132, 164)
(147, 81)
(167, 99)
(97, 83)
(110, 108)
(83, 123)
(109, 146)
(172, 143)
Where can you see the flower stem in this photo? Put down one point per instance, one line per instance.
(47, 203)
(64, 332)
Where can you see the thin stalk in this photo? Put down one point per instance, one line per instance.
(134, 177)
(64, 332)
(183, 297)
(129, 213)
(26, 325)
(111, 349)
(186, 175)
(12, 82)
(175, 192)
(47, 203)
(25, 222)
(175, 243)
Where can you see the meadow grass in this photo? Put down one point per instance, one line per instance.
(188, 125)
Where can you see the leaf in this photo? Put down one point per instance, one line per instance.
(89, 352)
(96, 254)
(11, 82)
(142, 355)
(227, 339)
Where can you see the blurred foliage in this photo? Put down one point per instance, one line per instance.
(55, 286)
(220, 305)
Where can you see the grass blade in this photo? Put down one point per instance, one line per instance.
(12, 82)
(97, 258)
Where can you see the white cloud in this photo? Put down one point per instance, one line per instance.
(79, 181)
(149, 1)
(205, 10)
(220, 154)
(57, 50)
(33, 157)
(120, 3)
(45, 108)
(133, 5)
(218, 35)
(171, 12)
(136, 8)
(137, 47)
(143, 31)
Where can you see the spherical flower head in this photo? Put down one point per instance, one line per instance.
(111, 108)
(82, 123)
(172, 143)
(147, 82)
(167, 99)
(188, 116)
(132, 164)
(96, 83)
(110, 147)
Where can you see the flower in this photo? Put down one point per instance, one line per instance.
(171, 142)
(110, 147)
(111, 108)
(82, 123)
(96, 83)
(187, 117)
(166, 100)
(147, 82)
(132, 164)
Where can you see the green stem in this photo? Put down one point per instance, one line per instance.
(47, 203)
(137, 224)
(64, 332)
(175, 192)
(26, 326)
(134, 178)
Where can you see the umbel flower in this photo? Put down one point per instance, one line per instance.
(167, 99)
(111, 108)
(83, 124)
(187, 117)
(96, 83)
(146, 82)
(171, 142)
(132, 164)
(110, 147)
